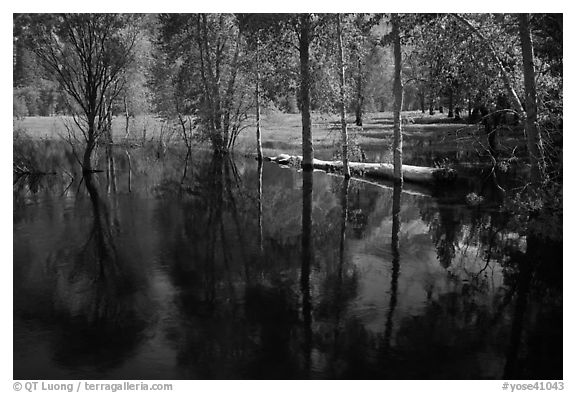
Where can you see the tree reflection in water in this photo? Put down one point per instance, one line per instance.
(100, 297)
(301, 283)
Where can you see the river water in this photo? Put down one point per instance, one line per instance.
(179, 267)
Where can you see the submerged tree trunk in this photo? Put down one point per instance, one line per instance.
(90, 145)
(346, 169)
(534, 139)
(398, 97)
(305, 38)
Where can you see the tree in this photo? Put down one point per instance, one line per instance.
(208, 74)
(528, 116)
(88, 55)
(533, 136)
(253, 27)
(398, 96)
(342, 99)
(305, 36)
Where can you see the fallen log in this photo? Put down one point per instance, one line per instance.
(414, 174)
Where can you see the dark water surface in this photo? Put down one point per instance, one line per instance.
(222, 269)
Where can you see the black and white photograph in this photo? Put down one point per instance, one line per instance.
(287, 196)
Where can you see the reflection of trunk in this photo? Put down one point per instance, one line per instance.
(344, 204)
(396, 199)
(230, 166)
(258, 135)
(111, 172)
(342, 99)
(398, 97)
(104, 248)
(215, 212)
(446, 236)
(307, 148)
(260, 231)
(526, 266)
(533, 136)
(339, 295)
(129, 172)
(307, 260)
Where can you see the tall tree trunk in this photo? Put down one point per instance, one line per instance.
(258, 132)
(111, 170)
(422, 102)
(342, 99)
(398, 96)
(451, 103)
(90, 145)
(307, 147)
(359, 95)
(533, 136)
(127, 114)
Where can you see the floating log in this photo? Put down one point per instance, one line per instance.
(411, 173)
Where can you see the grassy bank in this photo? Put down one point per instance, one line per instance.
(427, 139)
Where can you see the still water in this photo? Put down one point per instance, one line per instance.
(216, 268)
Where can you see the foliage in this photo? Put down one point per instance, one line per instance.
(207, 79)
(88, 55)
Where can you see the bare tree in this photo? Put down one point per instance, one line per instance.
(88, 55)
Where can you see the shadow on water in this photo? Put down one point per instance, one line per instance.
(217, 267)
